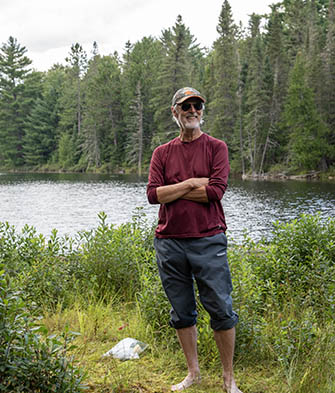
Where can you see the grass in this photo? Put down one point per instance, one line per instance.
(160, 365)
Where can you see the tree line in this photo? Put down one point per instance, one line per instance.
(270, 90)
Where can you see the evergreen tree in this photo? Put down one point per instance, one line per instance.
(67, 151)
(101, 128)
(140, 71)
(257, 98)
(295, 16)
(72, 97)
(307, 144)
(135, 125)
(223, 106)
(328, 85)
(180, 56)
(14, 72)
(78, 66)
(313, 48)
(41, 126)
(278, 68)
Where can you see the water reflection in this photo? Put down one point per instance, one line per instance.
(71, 202)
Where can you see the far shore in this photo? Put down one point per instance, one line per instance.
(312, 175)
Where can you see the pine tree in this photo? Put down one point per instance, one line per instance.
(72, 99)
(140, 72)
(135, 125)
(179, 68)
(13, 73)
(295, 15)
(313, 48)
(278, 67)
(257, 101)
(328, 85)
(66, 151)
(101, 128)
(307, 145)
(41, 126)
(223, 105)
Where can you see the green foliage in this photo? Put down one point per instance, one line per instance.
(257, 92)
(284, 289)
(40, 140)
(181, 60)
(141, 69)
(112, 257)
(151, 297)
(30, 360)
(99, 264)
(13, 100)
(67, 151)
(307, 131)
(222, 92)
(300, 262)
(247, 295)
(269, 90)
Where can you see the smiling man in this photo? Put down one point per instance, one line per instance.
(188, 177)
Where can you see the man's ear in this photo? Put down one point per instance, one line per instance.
(173, 110)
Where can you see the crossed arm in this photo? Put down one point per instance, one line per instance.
(193, 189)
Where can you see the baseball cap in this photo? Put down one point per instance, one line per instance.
(186, 92)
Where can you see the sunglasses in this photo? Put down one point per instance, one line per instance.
(185, 106)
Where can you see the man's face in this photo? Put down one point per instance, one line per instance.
(189, 113)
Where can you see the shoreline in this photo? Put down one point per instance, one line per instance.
(313, 175)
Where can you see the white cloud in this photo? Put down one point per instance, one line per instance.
(48, 28)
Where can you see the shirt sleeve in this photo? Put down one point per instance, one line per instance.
(218, 180)
(156, 177)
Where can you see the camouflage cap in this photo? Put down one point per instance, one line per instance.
(186, 92)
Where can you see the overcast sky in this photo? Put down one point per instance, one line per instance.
(48, 28)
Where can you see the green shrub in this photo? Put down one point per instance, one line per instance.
(300, 263)
(97, 264)
(30, 361)
(111, 256)
(50, 281)
(151, 297)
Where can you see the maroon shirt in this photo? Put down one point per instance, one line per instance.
(177, 161)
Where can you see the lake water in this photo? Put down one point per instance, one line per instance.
(71, 202)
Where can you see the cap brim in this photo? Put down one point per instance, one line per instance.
(188, 97)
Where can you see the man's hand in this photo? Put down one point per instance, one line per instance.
(197, 195)
(172, 192)
(197, 182)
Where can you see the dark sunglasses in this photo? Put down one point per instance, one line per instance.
(185, 106)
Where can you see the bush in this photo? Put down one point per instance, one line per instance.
(30, 361)
(284, 289)
(111, 257)
(97, 264)
(247, 294)
(300, 264)
(151, 297)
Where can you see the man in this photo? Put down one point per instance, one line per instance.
(188, 177)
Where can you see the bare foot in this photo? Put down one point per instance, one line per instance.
(232, 388)
(186, 383)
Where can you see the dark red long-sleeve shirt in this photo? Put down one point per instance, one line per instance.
(177, 161)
